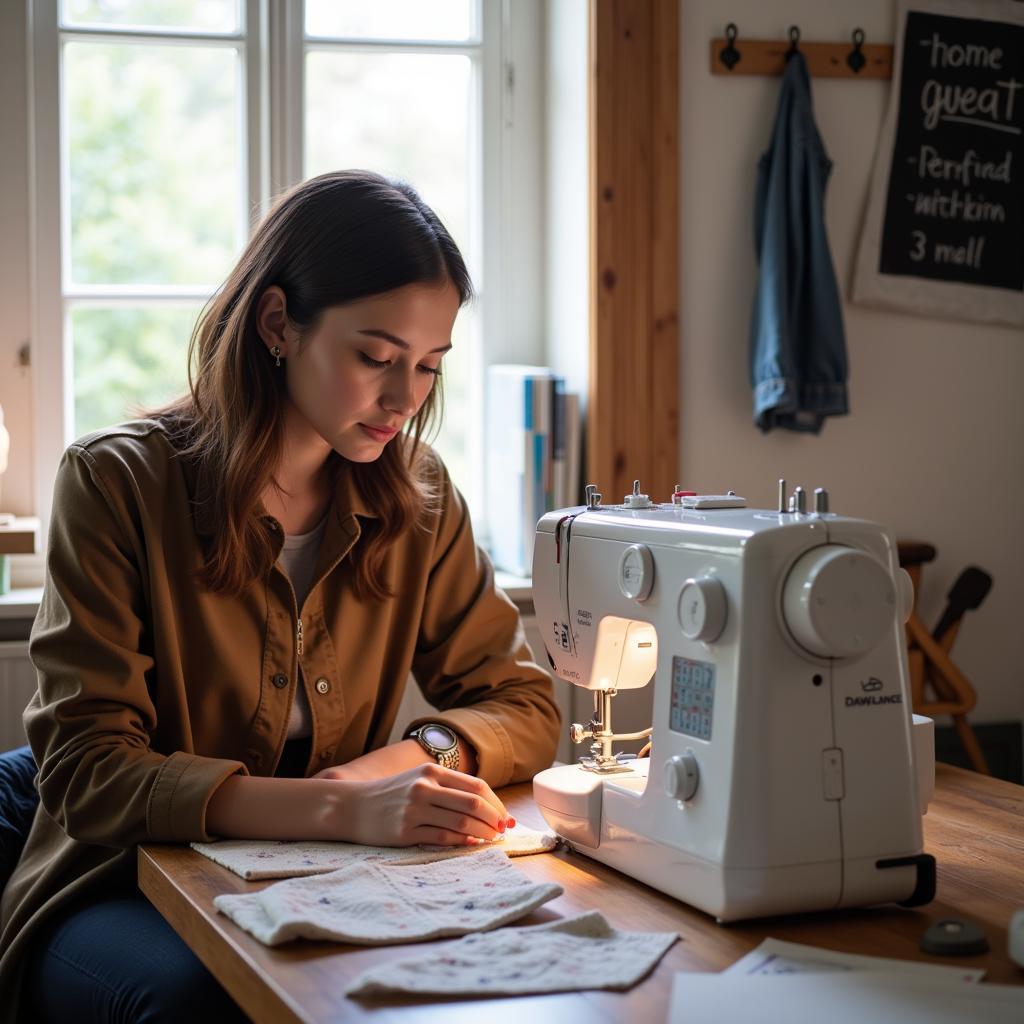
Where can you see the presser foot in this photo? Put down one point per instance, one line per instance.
(606, 765)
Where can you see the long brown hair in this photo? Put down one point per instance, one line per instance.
(330, 240)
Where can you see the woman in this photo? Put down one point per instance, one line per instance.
(237, 589)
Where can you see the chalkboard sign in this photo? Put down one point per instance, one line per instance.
(947, 204)
(954, 206)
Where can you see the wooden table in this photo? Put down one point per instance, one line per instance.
(974, 828)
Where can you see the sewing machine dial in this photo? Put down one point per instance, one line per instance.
(636, 572)
(838, 601)
(702, 609)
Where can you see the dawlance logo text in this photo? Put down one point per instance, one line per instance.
(871, 686)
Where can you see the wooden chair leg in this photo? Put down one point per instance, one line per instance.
(970, 744)
(915, 662)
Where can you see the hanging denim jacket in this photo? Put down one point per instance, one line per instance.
(797, 343)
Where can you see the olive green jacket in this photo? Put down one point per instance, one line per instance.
(153, 690)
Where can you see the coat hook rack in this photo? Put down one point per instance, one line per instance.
(733, 55)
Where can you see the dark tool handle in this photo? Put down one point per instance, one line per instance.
(967, 593)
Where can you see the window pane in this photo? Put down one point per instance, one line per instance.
(155, 165)
(407, 116)
(451, 439)
(194, 15)
(392, 19)
(404, 115)
(125, 358)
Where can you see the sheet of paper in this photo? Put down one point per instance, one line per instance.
(774, 956)
(840, 997)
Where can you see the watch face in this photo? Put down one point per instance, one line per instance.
(438, 737)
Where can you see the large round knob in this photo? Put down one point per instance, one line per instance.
(838, 601)
(702, 609)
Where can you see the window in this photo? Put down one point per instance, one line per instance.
(416, 69)
(153, 195)
(163, 128)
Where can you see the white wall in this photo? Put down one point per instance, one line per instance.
(933, 442)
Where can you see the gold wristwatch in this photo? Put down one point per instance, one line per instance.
(439, 741)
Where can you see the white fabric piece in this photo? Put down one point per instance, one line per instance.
(255, 859)
(563, 956)
(375, 904)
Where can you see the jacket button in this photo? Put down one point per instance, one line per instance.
(280, 680)
(322, 686)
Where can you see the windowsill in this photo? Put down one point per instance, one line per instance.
(518, 588)
(20, 603)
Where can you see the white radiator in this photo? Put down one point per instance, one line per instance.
(17, 684)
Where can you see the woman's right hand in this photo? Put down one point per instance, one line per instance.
(425, 804)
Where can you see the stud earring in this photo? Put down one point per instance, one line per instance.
(276, 353)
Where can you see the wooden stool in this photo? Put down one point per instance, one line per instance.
(928, 653)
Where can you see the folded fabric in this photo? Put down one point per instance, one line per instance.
(375, 903)
(563, 956)
(254, 859)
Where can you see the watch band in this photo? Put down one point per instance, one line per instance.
(446, 757)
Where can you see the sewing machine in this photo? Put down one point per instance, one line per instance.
(782, 771)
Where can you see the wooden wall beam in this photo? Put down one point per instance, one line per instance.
(633, 409)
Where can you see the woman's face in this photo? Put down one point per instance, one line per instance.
(368, 366)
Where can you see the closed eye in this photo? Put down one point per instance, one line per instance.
(379, 364)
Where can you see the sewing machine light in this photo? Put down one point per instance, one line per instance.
(627, 654)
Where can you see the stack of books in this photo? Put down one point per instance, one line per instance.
(533, 458)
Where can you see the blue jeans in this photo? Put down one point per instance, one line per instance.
(113, 958)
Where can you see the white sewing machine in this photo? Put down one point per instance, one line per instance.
(782, 771)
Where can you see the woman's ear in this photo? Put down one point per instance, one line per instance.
(272, 319)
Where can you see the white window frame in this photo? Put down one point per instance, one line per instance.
(271, 37)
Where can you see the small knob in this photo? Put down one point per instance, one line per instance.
(800, 500)
(578, 733)
(820, 500)
(702, 609)
(636, 499)
(636, 572)
(681, 776)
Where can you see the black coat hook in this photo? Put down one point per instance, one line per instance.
(794, 41)
(730, 56)
(856, 59)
